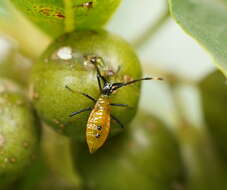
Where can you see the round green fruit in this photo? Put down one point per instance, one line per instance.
(144, 157)
(19, 134)
(65, 63)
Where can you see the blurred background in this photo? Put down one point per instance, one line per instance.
(169, 49)
(185, 102)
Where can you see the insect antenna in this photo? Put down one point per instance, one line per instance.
(119, 85)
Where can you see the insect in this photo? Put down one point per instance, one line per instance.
(98, 124)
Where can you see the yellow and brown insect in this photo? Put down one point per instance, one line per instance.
(98, 125)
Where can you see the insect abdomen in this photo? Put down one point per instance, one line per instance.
(98, 125)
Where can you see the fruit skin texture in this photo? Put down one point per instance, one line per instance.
(63, 63)
(19, 134)
(50, 15)
(144, 157)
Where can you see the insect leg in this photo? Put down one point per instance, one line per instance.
(115, 119)
(99, 83)
(84, 94)
(81, 111)
(120, 105)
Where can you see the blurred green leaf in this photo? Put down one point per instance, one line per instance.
(58, 17)
(203, 167)
(214, 101)
(206, 22)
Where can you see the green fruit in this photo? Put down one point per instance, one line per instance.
(52, 16)
(64, 63)
(144, 157)
(214, 99)
(18, 132)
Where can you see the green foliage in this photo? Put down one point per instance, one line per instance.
(200, 159)
(19, 134)
(58, 17)
(206, 22)
(144, 157)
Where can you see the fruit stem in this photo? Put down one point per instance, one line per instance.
(151, 30)
(57, 153)
(69, 16)
(18, 27)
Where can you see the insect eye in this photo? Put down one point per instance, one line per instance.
(99, 128)
(97, 136)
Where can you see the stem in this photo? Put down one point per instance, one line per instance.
(69, 16)
(151, 30)
(58, 156)
(32, 42)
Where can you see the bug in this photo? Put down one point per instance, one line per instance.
(98, 124)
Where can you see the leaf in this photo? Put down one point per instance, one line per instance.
(200, 159)
(206, 22)
(57, 17)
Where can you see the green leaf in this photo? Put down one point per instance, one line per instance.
(57, 17)
(206, 22)
(203, 166)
